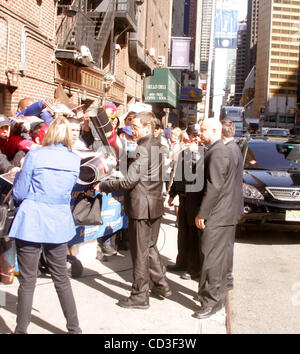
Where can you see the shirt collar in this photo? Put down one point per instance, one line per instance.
(212, 143)
(228, 141)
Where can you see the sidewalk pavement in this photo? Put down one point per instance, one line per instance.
(102, 284)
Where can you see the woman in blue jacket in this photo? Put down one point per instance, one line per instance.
(44, 219)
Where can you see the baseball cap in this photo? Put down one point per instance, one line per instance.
(4, 120)
(127, 130)
(137, 107)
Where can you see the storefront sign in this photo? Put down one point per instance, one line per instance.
(190, 94)
(162, 87)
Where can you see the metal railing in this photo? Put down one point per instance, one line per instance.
(91, 29)
(104, 31)
(126, 7)
(76, 29)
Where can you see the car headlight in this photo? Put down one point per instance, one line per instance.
(251, 192)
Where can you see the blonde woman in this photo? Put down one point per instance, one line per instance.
(44, 220)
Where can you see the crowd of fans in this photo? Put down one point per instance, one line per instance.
(26, 131)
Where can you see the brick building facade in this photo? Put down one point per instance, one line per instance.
(27, 44)
(31, 67)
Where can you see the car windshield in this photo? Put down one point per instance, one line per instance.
(278, 132)
(238, 133)
(273, 156)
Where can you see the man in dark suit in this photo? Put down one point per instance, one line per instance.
(216, 218)
(144, 207)
(228, 131)
(188, 257)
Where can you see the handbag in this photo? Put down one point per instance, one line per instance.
(7, 214)
(87, 209)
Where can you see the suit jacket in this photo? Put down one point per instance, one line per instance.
(218, 198)
(143, 182)
(238, 162)
(187, 160)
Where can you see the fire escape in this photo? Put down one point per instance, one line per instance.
(87, 27)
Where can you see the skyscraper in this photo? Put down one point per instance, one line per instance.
(277, 62)
(206, 18)
(240, 73)
(252, 32)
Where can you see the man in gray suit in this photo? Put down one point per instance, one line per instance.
(144, 207)
(228, 131)
(216, 218)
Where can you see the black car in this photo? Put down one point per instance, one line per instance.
(271, 183)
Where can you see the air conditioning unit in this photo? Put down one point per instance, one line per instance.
(86, 53)
(161, 59)
(152, 52)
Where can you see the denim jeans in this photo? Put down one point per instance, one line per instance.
(28, 254)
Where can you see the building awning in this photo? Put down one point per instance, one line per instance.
(161, 88)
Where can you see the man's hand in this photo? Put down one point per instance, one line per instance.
(96, 187)
(199, 223)
(15, 169)
(86, 119)
(34, 146)
(19, 119)
(22, 162)
(170, 201)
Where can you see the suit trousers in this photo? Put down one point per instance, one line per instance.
(182, 236)
(28, 254)
(147, 264)
(230, 258)
(188, 240)
(214, 247)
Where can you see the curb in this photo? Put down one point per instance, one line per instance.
(228, 318)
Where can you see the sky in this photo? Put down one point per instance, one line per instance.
(223, 59)
(242, 8)
(240, 5)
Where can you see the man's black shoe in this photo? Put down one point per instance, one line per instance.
(123, 246)
(186, 276)
(175, 268)
(129, 303)
(108, 250)
(161, 293)
(198, 298)
(207, 311)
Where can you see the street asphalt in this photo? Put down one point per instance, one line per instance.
(99, 288)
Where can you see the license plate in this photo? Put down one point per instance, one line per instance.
(292, 215)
